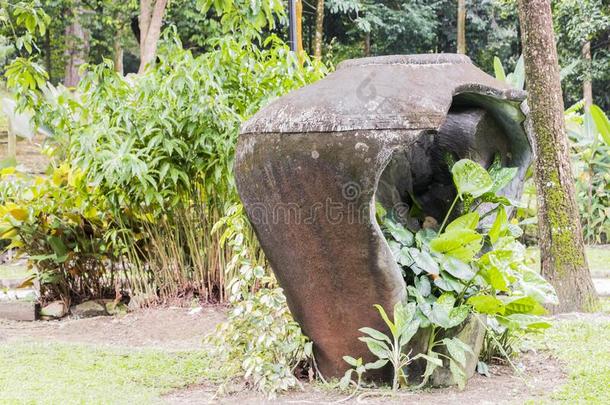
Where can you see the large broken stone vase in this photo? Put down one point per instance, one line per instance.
(311, 165)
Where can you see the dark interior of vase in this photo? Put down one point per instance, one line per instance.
(417, 182)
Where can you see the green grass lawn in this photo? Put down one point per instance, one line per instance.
(597, 256)
(62, 373)
(32, 372)
(584, 347)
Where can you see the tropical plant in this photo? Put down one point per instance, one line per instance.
(468, 267)
(59, 222)
(259, 342)
(589, 131)
(516, 78)
(389, 349)
(159, 146)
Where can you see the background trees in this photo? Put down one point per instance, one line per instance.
(337, 29)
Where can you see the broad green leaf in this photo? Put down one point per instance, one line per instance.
(523, 305)
(470, 178)
(399, 232)
(463, 345)
(467, 221)
(534, 285)
(408, 332)
(444, 314)
(395, 248)
(499, 69)
(462, 244)
(423, 262)
(422, 283)
(499, 226)
(493, 198)
(524, 321)
(375, 334)
(601, 123)
(446, 301)
(424, 236)
(447, 282)
(405, 258)
(456, 351)
(351, 361)
(486, 304)
(495, 277)
(458, 315)
(502, 177)
(376, 365)
(378, 348)
(458, 268)
(458, 374)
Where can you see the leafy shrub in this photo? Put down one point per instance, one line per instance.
(260, 342)
(467, 267)
(159, 146)
(59, 222)
(590, 133)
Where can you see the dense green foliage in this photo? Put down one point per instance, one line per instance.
(590, 134)
(468, 267)
(59, 221)
(159, 148)
(352, 28)
(260, 341)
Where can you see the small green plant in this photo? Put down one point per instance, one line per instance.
(389, 349)
(359, 368)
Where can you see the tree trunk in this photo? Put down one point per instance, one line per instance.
(118, 55)
(299, 22)
(77, 47)
(560, 236)
(151, 19)
(586, 85)
(47, 54)
(367, 44)
(461, 27)
(317, 53)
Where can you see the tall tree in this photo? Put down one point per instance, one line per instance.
(151, 19)
(77, 45)
(461, 27)
(317, 50)
(299, 23)
(560, 236)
